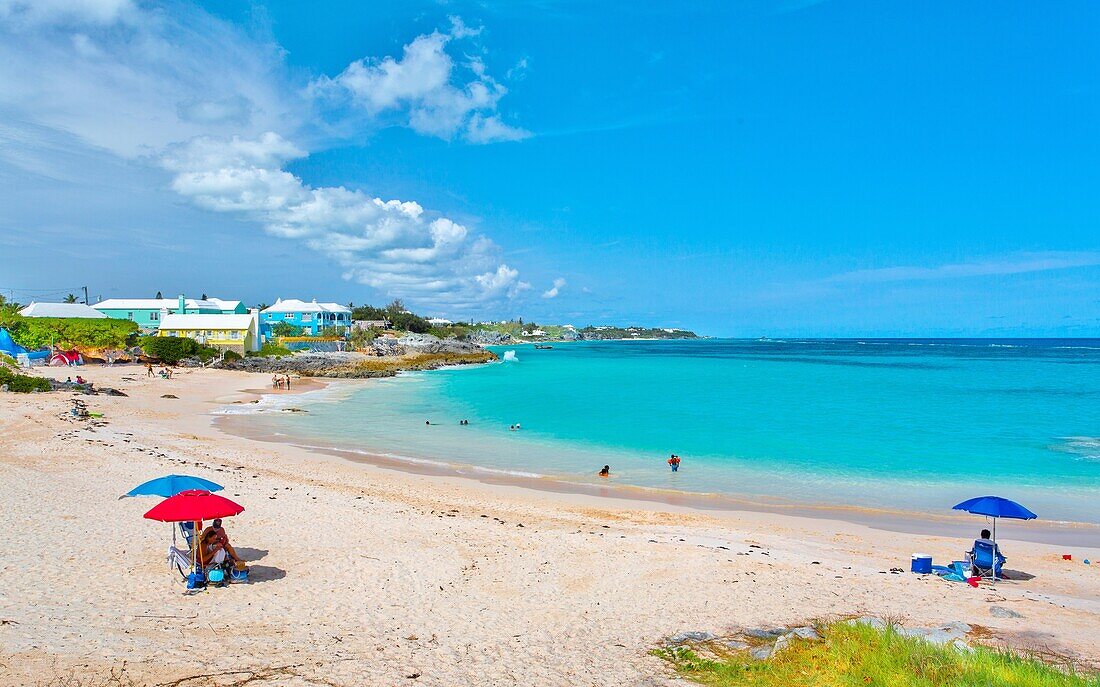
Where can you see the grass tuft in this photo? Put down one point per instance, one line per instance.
(862, 655)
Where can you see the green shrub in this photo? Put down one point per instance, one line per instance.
(860, 654)
(285, 329)
(22, 384)
(270, 349)
(408, 322)
(232, 355)
(69, 332)
(169, 349)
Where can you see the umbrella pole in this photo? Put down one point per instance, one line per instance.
(994, 550)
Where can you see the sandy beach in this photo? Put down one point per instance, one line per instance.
(363, 575)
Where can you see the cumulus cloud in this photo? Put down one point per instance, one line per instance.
(220, 117)
(422, 88)
(553, 291)
(395, 246)
(132, 81)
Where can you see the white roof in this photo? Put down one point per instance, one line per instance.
(162, 303)
(223, 305)
(438, 320)
(295, 305)
(60, 310)
(206, 321)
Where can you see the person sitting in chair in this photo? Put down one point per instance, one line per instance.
(211, 551)
(985, 555)
(216, 540)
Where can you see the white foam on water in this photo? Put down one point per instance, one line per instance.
(510, 357)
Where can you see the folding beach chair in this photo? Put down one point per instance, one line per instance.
(986, 560)
(180, 560)
(187, 529)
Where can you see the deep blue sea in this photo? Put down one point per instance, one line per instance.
(914, 424)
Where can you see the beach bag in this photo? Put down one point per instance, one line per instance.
(238, 575)
(196, 580)
(215, 576)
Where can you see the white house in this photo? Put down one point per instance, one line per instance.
(312, 317)
(62, 310)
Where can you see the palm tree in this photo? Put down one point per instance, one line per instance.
(71, 298)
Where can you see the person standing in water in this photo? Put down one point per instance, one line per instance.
(606, 472)
(674, 462)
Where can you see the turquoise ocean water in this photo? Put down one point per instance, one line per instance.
(907, 424)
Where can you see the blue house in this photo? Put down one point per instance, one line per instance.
(312, 317)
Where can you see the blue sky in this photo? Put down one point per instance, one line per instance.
(741, 168)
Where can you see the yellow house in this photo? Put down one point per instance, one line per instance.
(239, 333)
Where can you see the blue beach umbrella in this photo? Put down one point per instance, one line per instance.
(170, 485)
(995, 507)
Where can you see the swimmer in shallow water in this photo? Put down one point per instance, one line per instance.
(606, 472)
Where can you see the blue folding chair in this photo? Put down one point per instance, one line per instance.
(187, 529)
(986, 560)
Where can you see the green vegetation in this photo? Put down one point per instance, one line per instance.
(862, 655)
(232, 355)
(270, 350)
(361, 338)
(22, 384)
(67, 332)
(172, 349)
(400, 319)
(418, 361)
(596, 333)
(368, 312)
(285, 329)
(396, 314)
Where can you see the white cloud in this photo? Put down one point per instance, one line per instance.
(421, 89)
(68, 11)
(142, 80)
(220, 116)
(394, 246)
(1015, 264)
(553, 291)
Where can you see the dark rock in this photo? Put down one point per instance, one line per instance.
(805, 632)
(760, 633)
(761, 653)
(169, 396)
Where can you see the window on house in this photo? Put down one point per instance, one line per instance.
(129, 315)
(307, 318)
(154, 316)
(288, 316)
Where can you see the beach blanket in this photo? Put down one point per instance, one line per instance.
(954, 573)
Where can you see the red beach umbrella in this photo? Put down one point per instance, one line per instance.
(193, 505)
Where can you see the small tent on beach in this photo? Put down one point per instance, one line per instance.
(66, 358)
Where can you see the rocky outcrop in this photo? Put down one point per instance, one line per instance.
(385, 358)
(488, 337)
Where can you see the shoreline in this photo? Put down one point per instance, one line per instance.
(383, 574)
(1079, 535)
